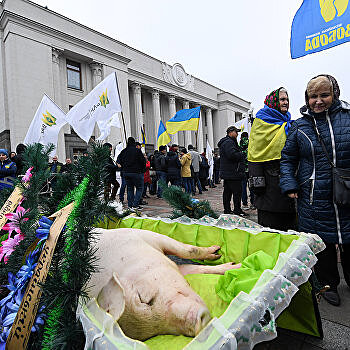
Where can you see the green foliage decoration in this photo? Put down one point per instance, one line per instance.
(183, 204)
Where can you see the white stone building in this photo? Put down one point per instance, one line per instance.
(44, 52)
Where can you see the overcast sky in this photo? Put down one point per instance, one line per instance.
(239, 46)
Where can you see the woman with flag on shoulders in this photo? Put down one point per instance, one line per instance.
(267, 138)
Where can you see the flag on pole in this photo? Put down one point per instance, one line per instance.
(143, 135)
(244, 125)
(185, 119)
(319, 25)
(46, 124)
(99, 105)
(209, 155)
(105, 126)
(163, 137)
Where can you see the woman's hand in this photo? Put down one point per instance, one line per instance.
(293, 195)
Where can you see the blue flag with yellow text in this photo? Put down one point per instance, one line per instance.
(319, 25)
(163, 138)
(185, 119)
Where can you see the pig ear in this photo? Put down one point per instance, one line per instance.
(112, 298)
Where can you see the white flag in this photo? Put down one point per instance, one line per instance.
(209, 155)
(244, 125)
(46, 124)
(105, 126)
(99, 105)
(118, 148)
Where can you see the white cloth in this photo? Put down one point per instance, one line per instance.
(46, 124)
(209, 155)
(105, 126)
(99, 105)
(244, 125)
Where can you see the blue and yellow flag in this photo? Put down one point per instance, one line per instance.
(186, 119)
(268, 135)
(163, 137)
(319, 25)
(143, 135)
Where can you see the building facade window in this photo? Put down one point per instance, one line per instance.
(74, 75)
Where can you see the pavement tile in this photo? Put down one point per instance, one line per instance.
(336, 337)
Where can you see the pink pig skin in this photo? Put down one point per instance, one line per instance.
(143, 289)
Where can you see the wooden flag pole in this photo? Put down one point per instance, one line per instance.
(23, 323)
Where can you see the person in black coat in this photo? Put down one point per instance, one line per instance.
(216, 168)
(111, 182)
(275, 210)
(161, 166)
(232, 171)
(19, 158)
(133, 164)
(203, 171)
(174, 168)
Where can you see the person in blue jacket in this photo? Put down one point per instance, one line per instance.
(7, 170)
(307, 176)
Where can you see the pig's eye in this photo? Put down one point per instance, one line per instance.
(148, 301)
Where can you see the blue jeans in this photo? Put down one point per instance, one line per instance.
(134, 180)
(187, 182)
(161, 176)
(195, 181)
(122, 188)
(244, 189)
(175, 181)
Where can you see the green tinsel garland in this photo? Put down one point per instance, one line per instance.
(51, 328)
(74, 259)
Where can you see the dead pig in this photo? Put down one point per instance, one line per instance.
(143, 289)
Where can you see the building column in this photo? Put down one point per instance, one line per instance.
(156, 113)
(57, 96)
(96, 77)
(56, 53)
(188, 133)
(96, 73)
(209, 117)
(136, 89)
(172, 111)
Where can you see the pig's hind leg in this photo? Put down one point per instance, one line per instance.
(215, 269)
(170, 246)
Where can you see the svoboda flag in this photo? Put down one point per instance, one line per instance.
(319, 25)
(46, 124)
(99, 105)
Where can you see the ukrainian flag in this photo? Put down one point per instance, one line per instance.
(163, 137)
(268, 135)
(143, 134)
(186, 119)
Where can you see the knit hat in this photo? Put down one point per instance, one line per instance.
(4, 151)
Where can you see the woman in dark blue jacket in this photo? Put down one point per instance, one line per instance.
(307, 175)
(7, 170)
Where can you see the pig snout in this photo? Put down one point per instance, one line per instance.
(203, 318)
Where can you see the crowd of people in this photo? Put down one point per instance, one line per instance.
(293, 170)
(143, 175)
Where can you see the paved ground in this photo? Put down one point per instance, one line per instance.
(335, 320)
